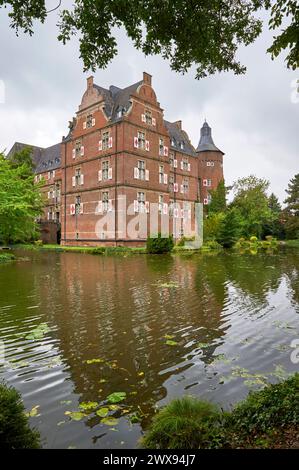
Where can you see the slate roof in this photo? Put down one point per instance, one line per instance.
(117, 99)
(206, 142)
(178, 137)
(44, 159)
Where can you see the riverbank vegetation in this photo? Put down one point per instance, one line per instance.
(252, 216)
(265, 419)
(15, 432)
(6, 257)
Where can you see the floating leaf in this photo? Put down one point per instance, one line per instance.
(38, 332)
(140, 374)
(102, 412)
(168, 336)
(60, 423)
(66, 402)
(109, 421)
(75, 415)
(135, 418)
(102, 381)
(33, 413)
(94, 361)
(202, 345)
(171, 342)
(89, 405)
(116, 397)
(114, 407)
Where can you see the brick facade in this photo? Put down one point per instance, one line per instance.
(119, 146)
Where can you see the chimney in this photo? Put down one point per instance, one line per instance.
(179, 124)
(89, 82)
(147, 78)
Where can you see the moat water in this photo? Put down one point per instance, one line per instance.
(78, 327)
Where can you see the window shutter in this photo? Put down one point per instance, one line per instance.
(100, 175)
(205, 182)
(48, 215)
(99, 208)
(175, 163)
(74, 153)
(143, 118)
(53, 173)
(146, 175)
(175, 187)
(147, 206)
(49, 176)
(81, 208)
(182, 165)
(165, 208)
(84, 125)
(135, 206)
(48, 194)
(72, 209)
(147, 145)
(73, 181)
(136, 173)
(182, 188)
(208, 163)
(189, 166)
(153, 121)
(82, 150)
(165, 151)
(165, 178)
(93, 122)
(110, 174)
(110, 205)
(189, 214)
(100, 145)
(82, 179)
(110, 142)
(135, 142)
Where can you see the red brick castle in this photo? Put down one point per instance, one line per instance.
(121, 155)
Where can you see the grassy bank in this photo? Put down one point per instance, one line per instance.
(268, 418)
(6, 257)
(100, 250)
(292, 243)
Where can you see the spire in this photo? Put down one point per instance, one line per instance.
(206, 142)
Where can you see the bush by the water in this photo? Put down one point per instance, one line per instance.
(185, 423)
(266, 418)
(15, 432)
(5, 257)
(159, 244)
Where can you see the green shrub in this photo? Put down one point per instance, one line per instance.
(15, 432)
(253, 239)
(185, 423)
(38, 242)
(211, 245)
(5, 257)
(159, 244)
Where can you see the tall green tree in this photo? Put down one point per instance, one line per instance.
(250, 198)
(273, 224)
(20, 202)
(292, 208)
(204, 33)
(218, 198)
(230, 228)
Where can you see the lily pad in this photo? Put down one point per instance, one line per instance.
(75, 415)
(170, 342)
(94, 361)
(202, 345)
(38, 332)
(102, 412)
(168, 336)
(33, 412)
(109, 421)
(89, 405)
(116, 397)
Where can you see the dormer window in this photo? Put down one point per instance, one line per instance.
(182, 145)
(119, 113)
(172, 143)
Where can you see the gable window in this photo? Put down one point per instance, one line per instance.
(184, 164)
(105, 170)
(182, 145)
(148, 117)
(161, 147)
(141, 140)
(141, 201)
(89, 120)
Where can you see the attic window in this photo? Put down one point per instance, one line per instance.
(172, 143)
(89, 120)
(182, 145)
(148, 116)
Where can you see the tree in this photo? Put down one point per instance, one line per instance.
(230, 228)
(20, 202)
(206, 34)
(218, 198)
(252, 203)
(273, 225)
(292, 208)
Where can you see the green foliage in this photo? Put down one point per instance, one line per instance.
(204, 34)
(218, 199)
(6, 257)
(211, 245)
(15, 432)
(189, 423)
(291, 212)
(230, 228)
(20, 202)
(185, 423)
(38, 242)
(211, 226)
(251, 200)
(159, 244)
(273, 224)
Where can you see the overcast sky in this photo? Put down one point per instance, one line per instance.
(252, 116)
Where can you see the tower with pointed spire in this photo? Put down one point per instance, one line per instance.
(210, 163)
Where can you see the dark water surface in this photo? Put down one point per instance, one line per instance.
(228, 319)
